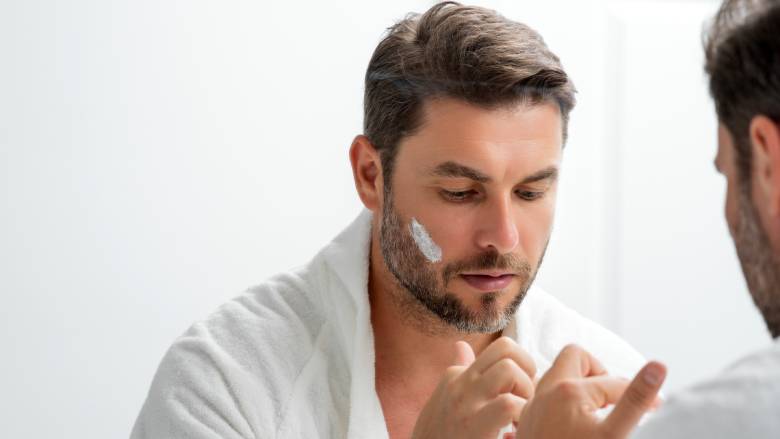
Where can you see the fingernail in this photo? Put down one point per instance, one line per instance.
(652, 375)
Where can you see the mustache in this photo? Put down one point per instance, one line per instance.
(487, 261)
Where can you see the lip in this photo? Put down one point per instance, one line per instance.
(488, 282)
(493, 273)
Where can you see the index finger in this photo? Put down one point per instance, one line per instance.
(639, 397)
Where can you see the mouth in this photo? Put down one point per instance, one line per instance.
(488, 281)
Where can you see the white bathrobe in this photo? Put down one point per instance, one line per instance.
(294, 357)
(742, 402)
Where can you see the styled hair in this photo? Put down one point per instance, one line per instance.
(464, 52)
(742, 51)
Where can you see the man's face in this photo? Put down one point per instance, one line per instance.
(479, 187)
(754, 250)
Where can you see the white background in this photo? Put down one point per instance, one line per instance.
(157, 158)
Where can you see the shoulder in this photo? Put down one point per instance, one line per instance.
(234, 371)
(743, 401)
(258, 329)
(555, 325)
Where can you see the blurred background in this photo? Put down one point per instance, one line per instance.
(158, 158)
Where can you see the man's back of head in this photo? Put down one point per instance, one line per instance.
(742, 49)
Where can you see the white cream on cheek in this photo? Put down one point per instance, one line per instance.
(424, 242)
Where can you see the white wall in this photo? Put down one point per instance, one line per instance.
(156, 158)
(678, 293)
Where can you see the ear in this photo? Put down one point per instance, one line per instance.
(765, 141)
(367, 172)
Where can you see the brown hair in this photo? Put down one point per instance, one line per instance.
(742, 50)
(464, 52)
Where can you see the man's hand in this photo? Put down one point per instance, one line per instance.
(478, 397)
(576, 385)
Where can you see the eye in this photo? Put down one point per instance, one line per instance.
(458, 196)
(529, 195)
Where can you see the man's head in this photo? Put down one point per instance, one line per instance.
(743, 62)
(465, 120)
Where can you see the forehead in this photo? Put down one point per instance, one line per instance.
(521, 135)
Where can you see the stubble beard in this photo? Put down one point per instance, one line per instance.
(759, 264)
(420, 292)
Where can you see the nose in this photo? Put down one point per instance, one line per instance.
(498, 229)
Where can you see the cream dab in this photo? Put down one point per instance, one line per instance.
(424, 242)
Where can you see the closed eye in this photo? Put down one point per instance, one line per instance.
(530, 195)
(458, 196)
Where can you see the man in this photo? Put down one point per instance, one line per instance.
(743, 63)
(465, 121)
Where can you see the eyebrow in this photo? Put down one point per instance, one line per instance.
(550, 173)
(452, 169)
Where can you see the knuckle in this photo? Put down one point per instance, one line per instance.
(572, 348)
(568, 389)
(505, 343)
(505, 404)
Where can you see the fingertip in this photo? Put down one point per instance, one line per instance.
(654, 374)
(640, 396)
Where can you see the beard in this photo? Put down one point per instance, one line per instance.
(762, 272)
(420, 291)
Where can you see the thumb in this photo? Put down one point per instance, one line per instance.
(464, 355)
(639, 397)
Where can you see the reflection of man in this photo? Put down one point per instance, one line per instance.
(743, 63)
(465, 118)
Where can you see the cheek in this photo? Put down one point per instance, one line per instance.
(534, 227)
(452, 234)
(731, 208)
